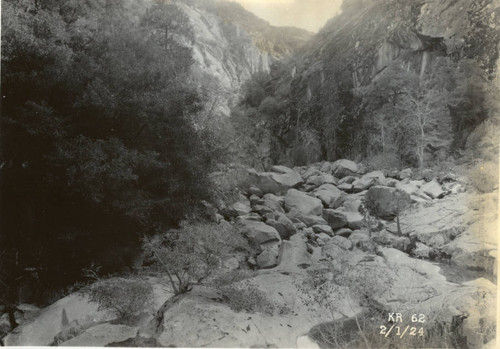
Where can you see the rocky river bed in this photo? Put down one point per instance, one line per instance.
(337, 221)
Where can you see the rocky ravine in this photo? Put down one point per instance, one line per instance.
(310, 218)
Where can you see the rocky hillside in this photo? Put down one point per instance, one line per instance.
(328, 236)
(231, 44)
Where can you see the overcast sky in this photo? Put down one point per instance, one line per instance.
(307, 14)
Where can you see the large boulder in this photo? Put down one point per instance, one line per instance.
(385, 202)
(433, 189)
(335, 219)
(330, 195)
(303, 203)
(258, 232)
(342, 168)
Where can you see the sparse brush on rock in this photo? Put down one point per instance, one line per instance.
(124, 297)
(247, 297)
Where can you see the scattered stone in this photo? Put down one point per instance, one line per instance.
(323, 229)
(335, 219)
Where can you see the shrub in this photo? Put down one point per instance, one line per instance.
(192, 253)
(247, 297)
(484, 177)
(124, 297)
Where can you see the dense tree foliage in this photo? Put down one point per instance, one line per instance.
(98, 140)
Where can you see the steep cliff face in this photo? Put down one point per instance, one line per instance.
(447, 47)
(371, 34)
(231, 44)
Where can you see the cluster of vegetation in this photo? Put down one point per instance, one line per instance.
(100, 142)
(418, 110)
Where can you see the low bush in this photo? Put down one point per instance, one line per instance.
(192, 254)
(247, 297)
(124, 297)
(484, 177)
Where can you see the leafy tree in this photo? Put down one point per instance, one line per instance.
(98, 141)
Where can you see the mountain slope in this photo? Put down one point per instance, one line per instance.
(231, 44)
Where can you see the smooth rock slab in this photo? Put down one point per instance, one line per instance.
(101, 335)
